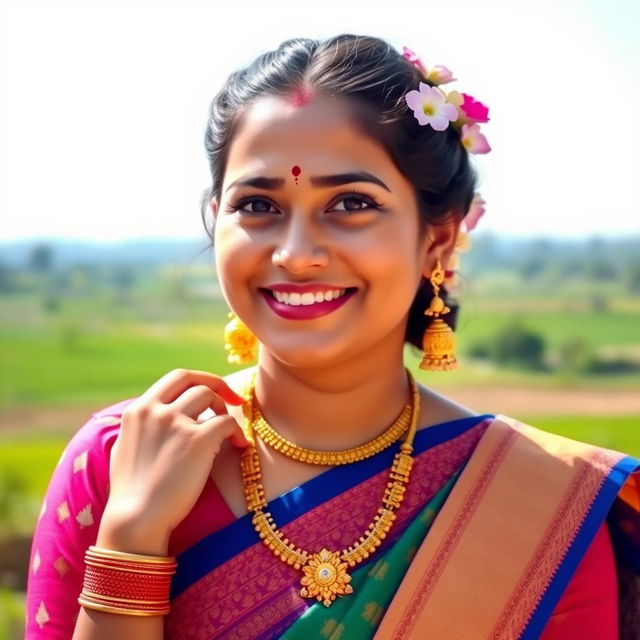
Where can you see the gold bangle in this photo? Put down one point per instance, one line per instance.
(101, 596)
(98, 552)
(130, 612)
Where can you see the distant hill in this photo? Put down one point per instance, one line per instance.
(489, 252)
(133, 252)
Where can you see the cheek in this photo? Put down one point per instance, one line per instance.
(389, 263)
(235, 258)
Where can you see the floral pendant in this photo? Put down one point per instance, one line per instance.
(325, 577)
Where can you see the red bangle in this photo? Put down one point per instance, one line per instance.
(126, 583)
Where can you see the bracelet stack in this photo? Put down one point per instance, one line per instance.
(128, 583)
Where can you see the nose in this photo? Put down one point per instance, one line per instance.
(301, 247)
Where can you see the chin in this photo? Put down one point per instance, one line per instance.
(306, 355)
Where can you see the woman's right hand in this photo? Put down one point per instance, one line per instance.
(162, 457)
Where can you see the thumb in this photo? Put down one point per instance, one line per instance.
(238, 438)
(226, 429)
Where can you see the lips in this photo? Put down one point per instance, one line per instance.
(306, 312)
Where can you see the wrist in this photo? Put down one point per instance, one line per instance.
(132, 534)
(126, 583)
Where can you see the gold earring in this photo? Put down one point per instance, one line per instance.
(239, 341)
(438, 341)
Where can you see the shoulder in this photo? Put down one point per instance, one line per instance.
(95, 438)
(436, 408)
(536, 443)
(238, 380)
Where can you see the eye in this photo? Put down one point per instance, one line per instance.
(357, 199)
(240, 206)
(352, 202)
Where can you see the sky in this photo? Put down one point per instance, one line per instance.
(103, 105)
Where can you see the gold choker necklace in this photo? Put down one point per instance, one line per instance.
(345, 456)
(325, 573)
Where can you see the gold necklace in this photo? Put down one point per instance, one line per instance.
(325, 573)
(345, 456)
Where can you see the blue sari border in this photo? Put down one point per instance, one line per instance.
(222, 545)
(594, 519)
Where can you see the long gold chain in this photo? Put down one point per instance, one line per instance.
(325, 573)
(345, 456)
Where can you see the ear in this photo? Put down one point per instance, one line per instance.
(440, 244)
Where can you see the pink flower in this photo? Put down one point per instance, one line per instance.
(473, 140)
(474, 109)
(430, 107)
(437, 75)
(440, 75)
(476, 211)
(414, 60)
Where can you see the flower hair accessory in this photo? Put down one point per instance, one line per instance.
(432, 106)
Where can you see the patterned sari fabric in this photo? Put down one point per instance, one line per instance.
(534, 502)
(229, 585)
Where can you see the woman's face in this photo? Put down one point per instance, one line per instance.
(303, 227)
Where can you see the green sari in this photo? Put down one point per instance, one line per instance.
(357, 616)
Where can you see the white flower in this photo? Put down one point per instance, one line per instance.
(430, 107)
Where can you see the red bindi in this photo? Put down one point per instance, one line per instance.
(295, 170)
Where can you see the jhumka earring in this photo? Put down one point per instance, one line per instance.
(239, 341)
(438, 341)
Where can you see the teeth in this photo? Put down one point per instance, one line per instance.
(296, 299)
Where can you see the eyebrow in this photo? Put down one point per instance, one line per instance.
(262, 182)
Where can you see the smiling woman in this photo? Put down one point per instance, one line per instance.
(324, 492)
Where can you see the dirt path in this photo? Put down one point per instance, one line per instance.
(54, 419)
(508, 400)
(515, 401)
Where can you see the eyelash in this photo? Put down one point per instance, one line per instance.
(371, 202)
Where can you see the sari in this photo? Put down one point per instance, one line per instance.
(490, 541)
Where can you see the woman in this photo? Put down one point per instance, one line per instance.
(336, 168)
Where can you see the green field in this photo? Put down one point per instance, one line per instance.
(77, 356)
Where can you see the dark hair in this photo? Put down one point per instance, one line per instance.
(374, 75)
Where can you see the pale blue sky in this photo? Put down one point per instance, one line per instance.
(103, 105)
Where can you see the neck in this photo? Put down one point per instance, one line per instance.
(336, 407)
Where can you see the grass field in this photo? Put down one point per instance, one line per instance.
(90, 360)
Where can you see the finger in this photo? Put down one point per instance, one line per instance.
(196, 399)
(226, 428)
(176, 382)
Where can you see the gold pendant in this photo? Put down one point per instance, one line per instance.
(325, 577)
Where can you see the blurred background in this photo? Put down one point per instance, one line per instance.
(105, 280)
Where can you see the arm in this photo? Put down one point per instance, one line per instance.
(124, 489)
(98, 625)
(71, 520)
(588, 608)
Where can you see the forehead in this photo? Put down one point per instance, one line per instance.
(322, 134)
